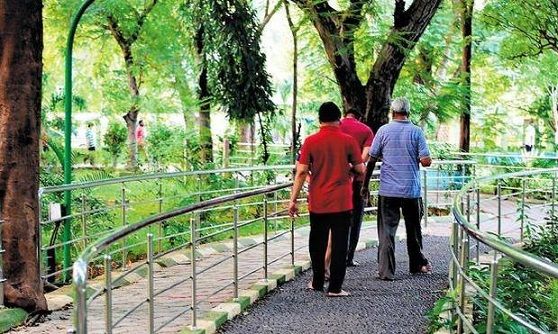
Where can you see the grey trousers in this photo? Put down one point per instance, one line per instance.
(389, 213)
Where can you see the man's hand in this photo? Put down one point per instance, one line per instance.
(293, 208)
(365, 194)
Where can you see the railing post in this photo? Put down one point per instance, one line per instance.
(522, 209)
(193, 241)
(276, 210)
(265, 238)
(455, 249)
(83, 220)
(292, 241)
(425, 201)
(124, 223)
(477, 191)
(553, 195)
(150, 283)
(80, 308)
(108, 294)
(160, 224)
(468, 206)
(493, 282)
(463, 262)
(235, 249)
(499, 197)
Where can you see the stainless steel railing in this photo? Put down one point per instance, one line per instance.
(104, 249)
(521, 198)
(102, 205)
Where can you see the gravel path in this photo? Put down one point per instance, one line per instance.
(374, 307)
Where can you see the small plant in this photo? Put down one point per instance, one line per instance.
(115, 140)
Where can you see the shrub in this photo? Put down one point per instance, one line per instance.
(115, 140)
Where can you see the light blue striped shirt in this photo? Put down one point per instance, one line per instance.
(400, 145)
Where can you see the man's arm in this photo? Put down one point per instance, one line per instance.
(300, 177)
(367, 176)
(359, 169)
(365, 155)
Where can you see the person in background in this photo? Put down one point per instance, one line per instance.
(91, 143)
(530, 134)
(402, 146)
(330, 157)
(140, 139)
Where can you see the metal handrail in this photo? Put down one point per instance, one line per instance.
(81, 265)
(460, 244)
(153, 176)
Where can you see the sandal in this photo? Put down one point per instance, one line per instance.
(341, 293)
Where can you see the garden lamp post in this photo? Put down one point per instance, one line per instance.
(68, 133)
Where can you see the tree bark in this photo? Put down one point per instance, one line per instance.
(204, 97)
(294, 32)
(336, 30)
(467, 34)
(125, 43)
(21, 46)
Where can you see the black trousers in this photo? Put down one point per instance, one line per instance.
(320, 226)
(356, 222)
(388, 221)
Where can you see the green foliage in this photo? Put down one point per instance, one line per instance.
(167, 143)
(115, 139)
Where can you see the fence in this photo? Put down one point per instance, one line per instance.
(528, 198)
(192, 237)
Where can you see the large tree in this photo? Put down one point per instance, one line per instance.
(21, 45)
(125, 24)
(337, 28)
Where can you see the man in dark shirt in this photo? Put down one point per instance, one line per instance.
(364, 136)
(330, 156)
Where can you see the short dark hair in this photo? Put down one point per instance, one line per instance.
(329, 112)
(353, 111)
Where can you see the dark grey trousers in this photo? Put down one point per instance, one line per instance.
(356, 223)
(389, 213)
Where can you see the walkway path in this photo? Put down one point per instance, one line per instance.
(375, 306)
(377, 300)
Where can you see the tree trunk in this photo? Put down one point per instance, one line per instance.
(467, 34)
(21, 48)
(294, 31)
(204, 97)
(337, 29)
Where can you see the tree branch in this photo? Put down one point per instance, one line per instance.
(269, 15)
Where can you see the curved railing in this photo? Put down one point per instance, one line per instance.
(100, 206)
(493, 225)
(195, 234)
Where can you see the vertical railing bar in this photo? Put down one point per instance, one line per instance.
(235, 249)
(463, 263)
(499, 196)
(193, 239)
(292, 241)
(160, 224)
(124, 223)
(150, 284)
(265, 238)
(1, 261)
(553, 194)
(83, 220)
(108, 294)
(425, 202)
(477, 190)
(492, 292)
(522, 227)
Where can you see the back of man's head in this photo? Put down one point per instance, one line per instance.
(329, 112)
(354, 112)
(401, 106)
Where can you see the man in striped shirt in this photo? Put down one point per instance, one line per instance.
(401, 146)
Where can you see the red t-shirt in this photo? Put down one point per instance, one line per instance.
(359, 131)
(330, 153)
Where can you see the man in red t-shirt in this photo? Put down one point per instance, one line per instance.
(364, 136)
(331, 157)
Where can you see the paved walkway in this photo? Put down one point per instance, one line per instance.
(375, 306)
(173, 303)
